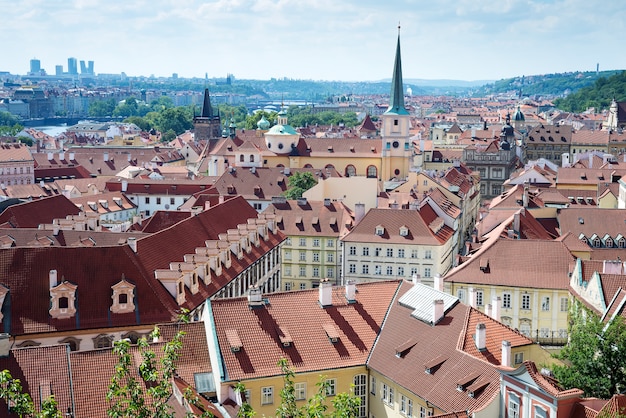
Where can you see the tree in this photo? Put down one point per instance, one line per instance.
(21, 403)
(126, 393)
(595, 356)
(102, 108)
(11, 130)
(142, 123)
(178, 119)
(299, 182)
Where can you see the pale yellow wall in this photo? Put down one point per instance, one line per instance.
(349, 190)
(554, 320)
(609, 201)
(290, 256)
(344, 378)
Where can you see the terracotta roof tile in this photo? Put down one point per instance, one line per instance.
(40, 211)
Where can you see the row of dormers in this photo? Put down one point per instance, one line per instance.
(604, 242)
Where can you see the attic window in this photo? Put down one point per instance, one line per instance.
(284, 336)
(330, 148)
(380, 230)
(373, 149)
(463, 383)
(62, 300)
(333, 221)
(233, 340)
(123, 297)
(476, 388)
(351, 149)
(432, 366)
(405, 347)
(331, 332)
(404, 231)
(484, 264)
(298, 220)
(315, 220)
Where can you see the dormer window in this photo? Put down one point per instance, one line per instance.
(62, 300)
(123, 297)
(380, 230)
(404, 231)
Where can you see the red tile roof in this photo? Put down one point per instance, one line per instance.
(40, 211)
(316, 218)
(309, 325)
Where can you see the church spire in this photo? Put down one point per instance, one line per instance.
(207, 110)
(396, 99)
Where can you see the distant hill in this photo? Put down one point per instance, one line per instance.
(545, 85)
(597, 95)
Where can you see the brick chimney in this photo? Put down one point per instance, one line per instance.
(472, 297)
(506, 353)
(437, 311)
(496, 308)
(326, 293)
(359, 212)
(481, 337)
(351, 291)
(255, 297)
(488, 309)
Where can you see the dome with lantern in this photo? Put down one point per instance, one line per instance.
(282, 137)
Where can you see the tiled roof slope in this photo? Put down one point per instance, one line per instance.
(519, 263)
(432, 344)
(313, 218)
(16, 152)
(589, 221)
(41, 211)
(300, 315)
(26, 237)
(392, 220)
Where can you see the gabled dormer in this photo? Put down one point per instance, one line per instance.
(188, 272)
(62, 298)
(173, 281)
(123, 297)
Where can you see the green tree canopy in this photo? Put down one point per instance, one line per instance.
(595, 357)
(299, 182)
(143, 123)
(177, 119)
(102, 108)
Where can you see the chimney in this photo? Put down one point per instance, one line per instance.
(325, 293)
(61, 155)
(415, 279)
(287, 171)
(41, 183)
(132, 243)
(472, 297)
(207, 205)
(128, 157)
(525, 196)
(438, 282)
(359, 212)
(53, 278)
(106, 156)
(506, 353)
(5, 344)
(437, 310)
(50, 156)
(488, 309)
(72, 156)
(55, 229)
(124, 186)
(481, 337)
(496, 306)
(590, 160)
(351, 291)
(254, 296)
(220, 199)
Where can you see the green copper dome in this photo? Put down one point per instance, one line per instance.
(518, 116)
(263, 124)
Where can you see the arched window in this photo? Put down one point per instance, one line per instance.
(360, 391)
(241, 158)
(329, 167)
(280, 165)
(132, 336)
(72, 342)
(251, 158)
(350, 171)
(308, 166)
(102, 341)
(597, 242)
(372, 172)
(609, 243)
(621, 243)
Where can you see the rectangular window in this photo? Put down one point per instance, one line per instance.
(287, 286)
(302, 286)
(385, 392)
(331, 388)
(172, 201)
(352, 250)
(506, 300)
(300, 391)
(414, 271)
(545, 303)
(302, 271)
(302, 255)
(287, 270)
(330, 272)
(390, 400)
(409, 410)
(288, 241)
(389, 252)
(414, 253)
(316, 242)
(316, 257)
(366, 251)
(403, 404)
(422, 412)
(519, 358)
(400, 271)
(147, 200)
(426, 271)
(389, 271)
(428, 254)
(513, 407)
(330, 257)
(352, 268)
(564, 304)
(372, 385)
(400, 252)
(479, 298)
(365, 269)
(526, 301)
(302, 242)
(158, 200)
(267, 395)
(330, 243)
(287, 254)
(378, 270)
(316, 272)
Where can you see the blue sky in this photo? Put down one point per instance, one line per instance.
(316, 39)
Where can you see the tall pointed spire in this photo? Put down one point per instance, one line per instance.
(396, 99)
(207, 110)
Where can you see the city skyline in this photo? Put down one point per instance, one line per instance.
(319, 40)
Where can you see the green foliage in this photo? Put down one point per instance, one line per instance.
(21, 404)
(299, 182)
(178, 119)
(145, 124)
(102, 108)
(598, 95)
(595, 356)
(11, 130)
(7, 119)
(252, 120)
(305, 117)
(245, 410)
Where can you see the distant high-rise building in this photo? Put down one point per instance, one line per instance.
(83, 67)
(86, 69)
(72, 66)
(35, 66)
(90, 67)
(58, 70)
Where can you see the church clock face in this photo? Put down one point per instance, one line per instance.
(395, 144)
